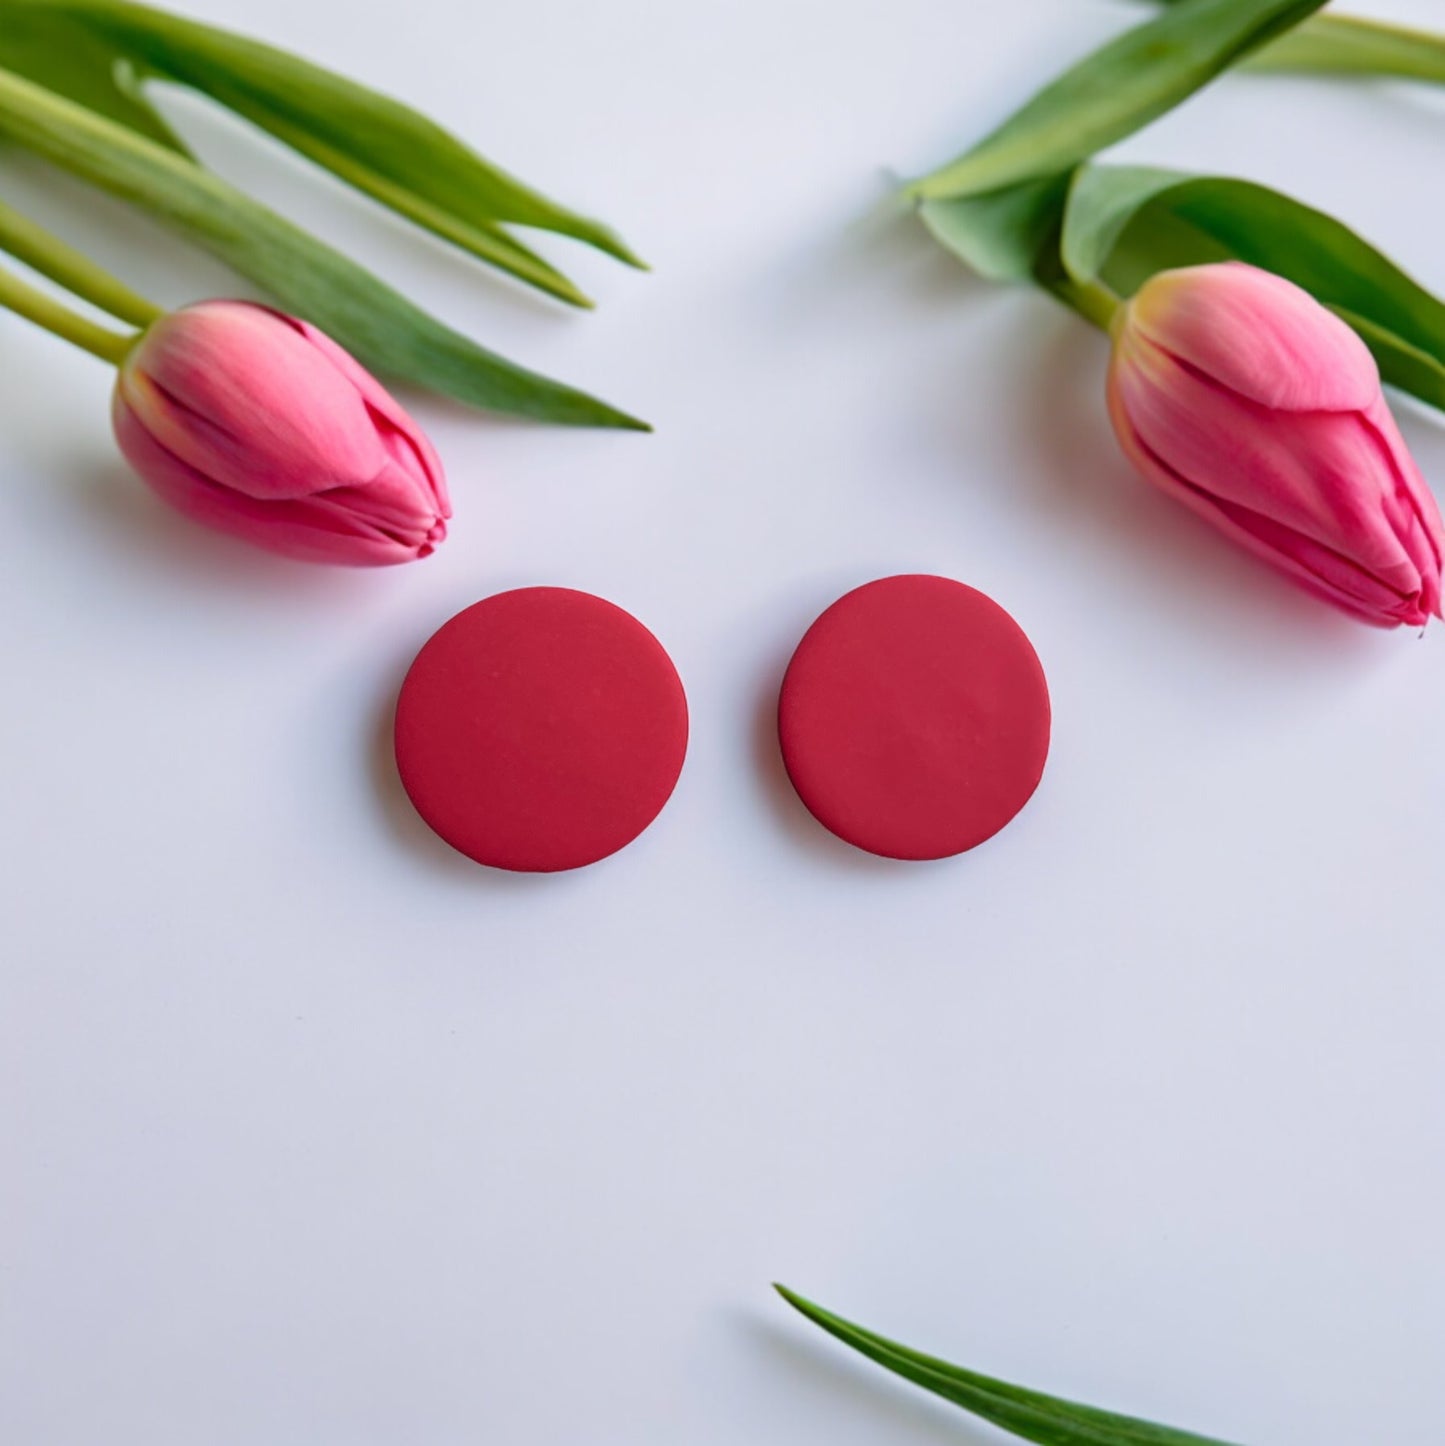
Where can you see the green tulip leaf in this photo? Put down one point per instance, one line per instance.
(1116, 91)
(1001, 234)
(384, 330)
(1124, 223)
(374, 143)
(1346, 45)
(1032, 1415)
(1352, 45)
(42, 43)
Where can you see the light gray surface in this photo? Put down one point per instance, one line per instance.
(312, 1133)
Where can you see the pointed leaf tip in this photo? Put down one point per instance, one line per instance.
(1045, 1420)
(380, 327)
(1121, 87)
(98, 53)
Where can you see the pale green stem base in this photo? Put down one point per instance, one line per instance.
(45, 311)
(1095, 303)
(76, 272)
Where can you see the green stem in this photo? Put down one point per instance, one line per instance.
(19, 296)
(1094, 302)
(76, 272)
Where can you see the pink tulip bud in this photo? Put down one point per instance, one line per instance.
(259, 425)
(1236, 392)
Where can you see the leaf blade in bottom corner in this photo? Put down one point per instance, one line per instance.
(1045, 1420)
(384, 330)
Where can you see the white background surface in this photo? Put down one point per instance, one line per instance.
(312, 1132)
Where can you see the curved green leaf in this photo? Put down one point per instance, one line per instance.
(55, 51)
(1116, 91)
(1124, 223)
(1000, 234)
(1353, 45)
(385, 331)
(1347, 45)
(1047, 1420)
(1103, 200)
(375, 143)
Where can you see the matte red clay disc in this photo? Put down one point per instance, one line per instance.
(914, 718)
(541, 729)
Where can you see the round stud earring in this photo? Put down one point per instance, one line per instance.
(540, 730)
(914, 718)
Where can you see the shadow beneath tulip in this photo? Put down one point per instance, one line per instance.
(855, 1388)
(113, 500)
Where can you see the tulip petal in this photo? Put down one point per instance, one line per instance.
(1410, 508)
(1316, 509)
(259, 425)
(406, 441)
(249, 402)
(1325, 475)
(1346, 587)
(315, 529)
(1240, 395)
(1258, 335)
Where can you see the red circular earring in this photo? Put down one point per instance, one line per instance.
(914, 718)
(540, 730)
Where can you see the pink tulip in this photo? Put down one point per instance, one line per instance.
(1236, 392)
(259, 425)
